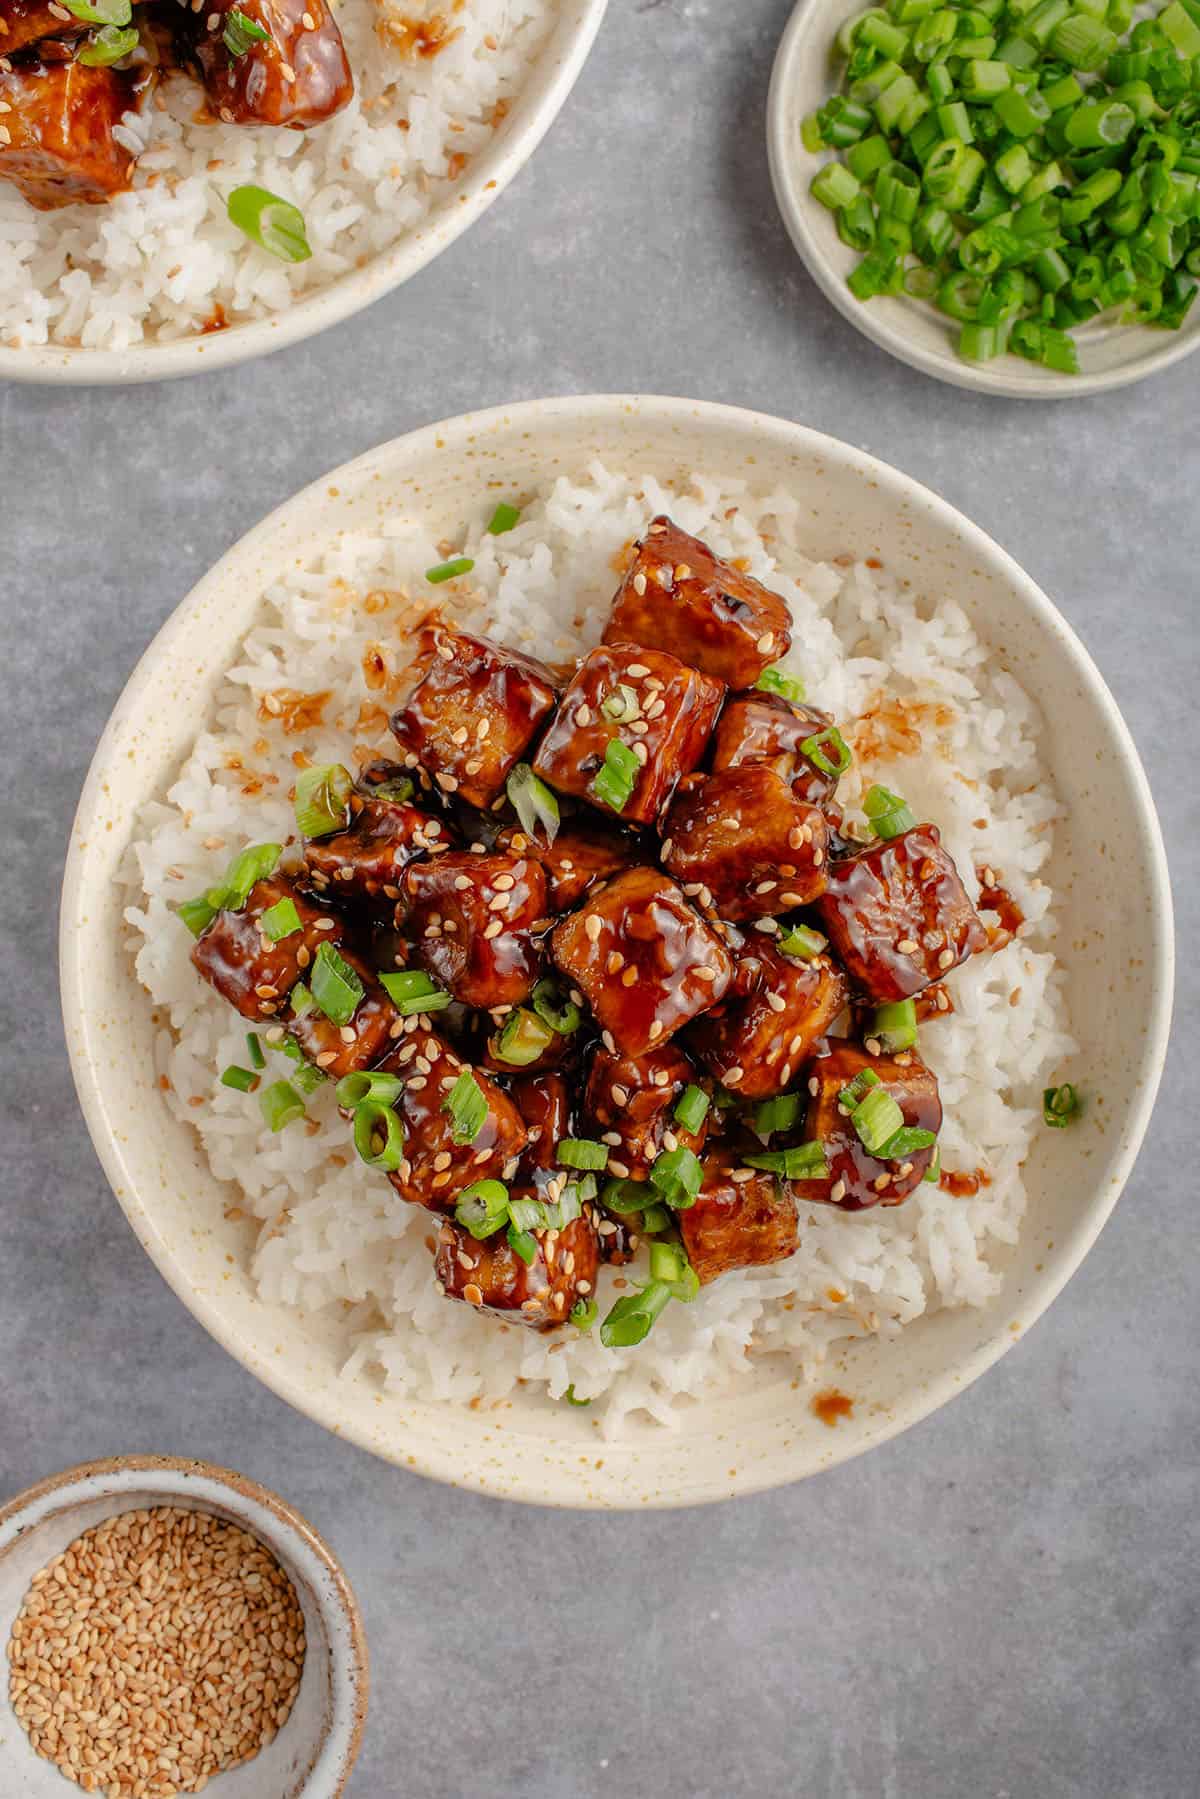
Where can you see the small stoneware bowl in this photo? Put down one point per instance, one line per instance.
(313, 1754)
(805, 75)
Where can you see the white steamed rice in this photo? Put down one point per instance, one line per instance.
(333, 1235)
(163, 261)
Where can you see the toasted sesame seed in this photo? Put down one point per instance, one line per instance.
(636, 669)
(814, 1085)
(505, 883)
(796, 837)
(620, 1094)
(907, 946)
(639, 583)
(583, 715)
(612, 1138)
(628, 976)
(837, 1192)
(946, 959)
(777, 1002)
(732, 1076)
(620, 1169)
(606, 1038)
(494, 929)
(656, 1030)
(766, 887)
(472, 1294)
(593, 925)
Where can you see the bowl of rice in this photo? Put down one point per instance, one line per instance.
(958, 684)
(450, 102)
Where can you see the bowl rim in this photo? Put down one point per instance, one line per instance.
(525, 417)
(551, 78)
(798, 210)
(67, 1486)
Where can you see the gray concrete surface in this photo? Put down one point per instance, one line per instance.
(1001, 1605)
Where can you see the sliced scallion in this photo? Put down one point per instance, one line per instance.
(617, 776)
(111, 44)
(280, 1104)
(583, 1315)
(411, 992)
(1061, 1105)
(378, 1136)
(802, 1162)
(775, 680)
(450, 571)
(555, 1008)
(799, 940)
(906, 1142)
(828, 751)
(781, 1113)
(522, 1244)
(894, 1025)
(876, 1119)
(569, 1394)
(678, 1176)
(241, 33)
(467, 1107)
(482, 1208)
(524, 1038)
(323, 799)
(243, 1080)
(368, 1084)
(533, 802)
(503, 519)
(632, 1318)
(280, 920)
(691, 1108)
(621, 705)
(580, 1152)
(100, 12)
(669, 1264)
(275, 225)
(335, 987)
(864, 1080)
(254, 1050)
(889, 815)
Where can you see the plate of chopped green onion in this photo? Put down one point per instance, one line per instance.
(1003, 193)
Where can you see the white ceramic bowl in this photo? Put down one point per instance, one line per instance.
(313, 1754)
(766, 1433)
(550, 80)
(805, 75)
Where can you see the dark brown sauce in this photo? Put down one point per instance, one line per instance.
(832, 1405)
(995, 898)
(963, 1186)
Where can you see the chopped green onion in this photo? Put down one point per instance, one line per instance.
(834, 186)
(503, 519)
(580, 1152)
(111, 44)
(656, 1218)
(368, 1084)
(524, 1038)
(876, 1119)
(669, 1264)
(621, 705)
(774, 680)
(280, 920)
(799, 940)
(569, 1395)
(864, 1080)
(778, 1114)
(400, 789)
(615, 780)
(888, 813)
(100, 12)
(522, 1244)
(840, 758)
(561, 1014)
(632, 1317)
(627, 1196)
(450, 571)
(305, 1076)
(678, 1176)
(933, 1173)
(482, 1208)
(244, 1080)
(533, 802)
(196, 914)
(336, 988)
(691, 1108)
(906, 1142)
(378, 1136)
(280, 1104)
(1061, 1105)
(527, 1214)
(241, 32)
(467, 1107)
(583, 1315)
(248, 867)
(322, 799)
(411, 992)
(300, 1000)
(803, 1162)
(894, 1026)
(274, 224)
(254, 1050)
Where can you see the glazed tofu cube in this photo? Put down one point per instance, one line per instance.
(471, 920)
(643, 959)
(898, 915)
(581, 855)
(632, 1099)
(745, 844)
(858, 1179)
(742, 1218)
(436, 1168)
(764, 727)
(473, 713)
(58, 146)
(342, 1049)
(298, 76)
(365, 862)
(545, 1110)
(492, 1276)
(24, 22)
(678, 596)
(246, 967)
(776, 1011)
(665, 714)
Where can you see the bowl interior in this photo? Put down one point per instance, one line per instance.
(316, 1747)
(765, 1433)
(805, 75)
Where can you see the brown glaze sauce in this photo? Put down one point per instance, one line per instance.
(995, 898)
(961, 1185)
(831, 1405)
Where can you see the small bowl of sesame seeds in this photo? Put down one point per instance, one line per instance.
(172, 1628)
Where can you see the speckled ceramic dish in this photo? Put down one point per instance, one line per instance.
(1110, 355)
(313, 1754)
(552, 77)
(766, 1432)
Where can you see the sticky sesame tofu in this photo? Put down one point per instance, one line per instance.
(493, 1277)
(858, 1179)
(471, 921)
(742, 1218)
(633, 1099)
(776, 1011)
(436, 1167)
(246, 967)
(746, 843)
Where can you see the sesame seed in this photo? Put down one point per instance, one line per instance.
(946, 959)
(777, 1002)
(462, 882)
(732, 1076)
(505, 883)
(656, 1030)
(814, 1085)
(583, 715)
(612, 1138)
(628, 976)
(796, 837)
(620, 1095)
(639, 583)
(620, 1169)
(766, 887)
(907, 946)
(593, 925)
(346, 1033)
(494, 929)
(766, 643)
(460, 736)
(872, 1046)
(837, 1192)
(472, 1294)
(606, 1038)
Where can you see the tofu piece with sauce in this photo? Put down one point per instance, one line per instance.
(582, 854)
(776, 1011)
(858, 1179)
(766, 728)
(366, 861)
(746, 844)
(297, 76)
(742, 1218)
(254, 974)
(474, 711)
(435, 1167)
(643, 959)
(491, 1276)
(26, 22)
(677, 596)
(898, 915)
(633, 1099)
(342, 1049)
(658, 708)
(59, 120)
(471, 921)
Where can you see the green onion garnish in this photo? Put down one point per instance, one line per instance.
(280, 920)
(933, 1173)
(800, 941)
(691, 1108)
(774, 680)
(241, 32)
(1061, 1105)
(838, 758)
(449, 571)
(583, 1315)
(336, 989)
(657, 1218)
(615, 779)
(669, 1264)
(100, 12)
(254, 1050)
(678, 1177)
(523, 1039)
(533, 802)
(554, 1008)
(243, 1080)
(280, 1104)
(894, 1026)
(306, 1077)
(876, 1119)
(467, 1107)
(300, 999)
(413, 992)
(400, 789)
(378, 1136)
(522, 1244)
(864, 1080)
(631, 1318)
(111, 44)
(527, 1214)
(196, 914)
(248, 867)
(803, 1162)
(621, 705)
(482, 1208)
(628, 1196)
(275, 225)
(569, 1395)
(906, 1142)
(323, 799)
(504, 518)
(581, 1152)
(888, 813)
(368, 1084)
(779, 1114)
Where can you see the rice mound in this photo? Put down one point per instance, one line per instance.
(162, 261)
(927, 712)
